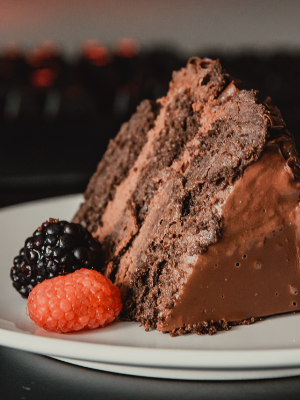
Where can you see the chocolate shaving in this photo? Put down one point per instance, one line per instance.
(237, 82)
(292, 166)
(278, 133)
(229, 92)
(275, 122)
(288, 149)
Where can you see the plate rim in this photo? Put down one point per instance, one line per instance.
(118, 354)
(189, 358)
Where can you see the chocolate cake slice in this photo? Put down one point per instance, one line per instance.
(196, 204)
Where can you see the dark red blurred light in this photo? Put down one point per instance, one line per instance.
(127, 48)
(37, 56)
(44, 77)
(96, 54)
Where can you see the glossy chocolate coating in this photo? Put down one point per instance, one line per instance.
(254, 270)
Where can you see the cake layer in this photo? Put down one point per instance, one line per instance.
(115, 165)
(168, 205)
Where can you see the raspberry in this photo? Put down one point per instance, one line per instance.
(55, 248)
(84, 299)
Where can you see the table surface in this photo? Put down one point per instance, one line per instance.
(30, 376)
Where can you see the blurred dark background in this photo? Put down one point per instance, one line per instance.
(61, 101)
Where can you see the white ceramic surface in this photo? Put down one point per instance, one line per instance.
(188, 373)
(266, 349)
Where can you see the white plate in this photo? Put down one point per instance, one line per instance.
(266, 349)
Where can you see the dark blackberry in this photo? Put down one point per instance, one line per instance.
(55, 248)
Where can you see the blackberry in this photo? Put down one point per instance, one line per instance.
(55, 248)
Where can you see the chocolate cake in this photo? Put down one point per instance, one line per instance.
(196, 205)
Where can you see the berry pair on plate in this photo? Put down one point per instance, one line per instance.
(59, 269)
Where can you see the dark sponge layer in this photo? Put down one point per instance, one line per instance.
(116, 163)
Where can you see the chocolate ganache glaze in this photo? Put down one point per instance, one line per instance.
(196, 205)
(254, 270)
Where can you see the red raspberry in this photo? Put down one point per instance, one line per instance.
(84, 299)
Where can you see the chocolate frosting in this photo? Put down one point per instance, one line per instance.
(196, 206)
(278, 133)
(254, 270)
